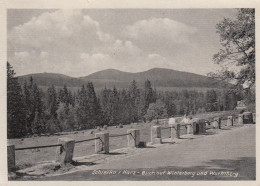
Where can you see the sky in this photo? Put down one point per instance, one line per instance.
(83, 41)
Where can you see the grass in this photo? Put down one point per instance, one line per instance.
(26, 158)
(222, 114)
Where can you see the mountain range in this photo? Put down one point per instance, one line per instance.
(159, 77)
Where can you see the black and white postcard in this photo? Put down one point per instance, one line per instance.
(145, 91)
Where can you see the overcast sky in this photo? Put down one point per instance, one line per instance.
(80, 42)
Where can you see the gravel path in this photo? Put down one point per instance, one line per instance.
(228, 155)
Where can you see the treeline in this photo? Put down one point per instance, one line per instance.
(33, 111)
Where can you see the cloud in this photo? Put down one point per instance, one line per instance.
(53, 39)
(120, 50)
(33, 62)
(22, 55)
(97, 57)
(130, 63)
(65, 32)
(160, 34)
(160, 28)
(50, 30)
(73, 43)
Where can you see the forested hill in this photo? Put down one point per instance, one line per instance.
(159, 77)
(48, 79)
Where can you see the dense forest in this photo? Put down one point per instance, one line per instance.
(30, 110)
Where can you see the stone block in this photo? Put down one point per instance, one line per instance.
(102, 144)
(247, 118)
(217, 123)
(11, 157)
(155, 132)
(195, 128)
(240, 119)
(178, 131)
(64, 154)
(133, 139)
(203, 127)
(230, 121)
(173, 131)
(200, 127)
(183, 129)
(189, 129)
(172, 121)
(254, 118)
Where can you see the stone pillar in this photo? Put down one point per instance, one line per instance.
(203, 125)
(200, 127)
(175, 131)
(189, 129)
(247, 118)
(217, 123)
(194, 127)
(64, 154)
(240, 119)
(11, 157)
(102, 144)
(230, 121)
(254, 118)
(178, 131)
(133, 138)
(156, 135)
(183, 129)
(172, 121)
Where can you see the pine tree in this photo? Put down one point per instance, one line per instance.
(66, 117)
(65, 96)
(81, 108)
(126, 106)
(38, 124)
(148, 95)
(28, 108)
(52, 102)
(114, 115)
(133, 102)
(170, 105)
(16, 116)
(105, 106)
(211, 100)
(34, 107)
(94, 111)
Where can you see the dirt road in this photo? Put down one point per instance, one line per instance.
(229, 155)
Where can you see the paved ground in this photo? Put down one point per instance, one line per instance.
(229, 155)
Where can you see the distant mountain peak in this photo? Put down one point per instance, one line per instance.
(159, 77)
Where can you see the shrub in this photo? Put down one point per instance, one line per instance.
(156, 111)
